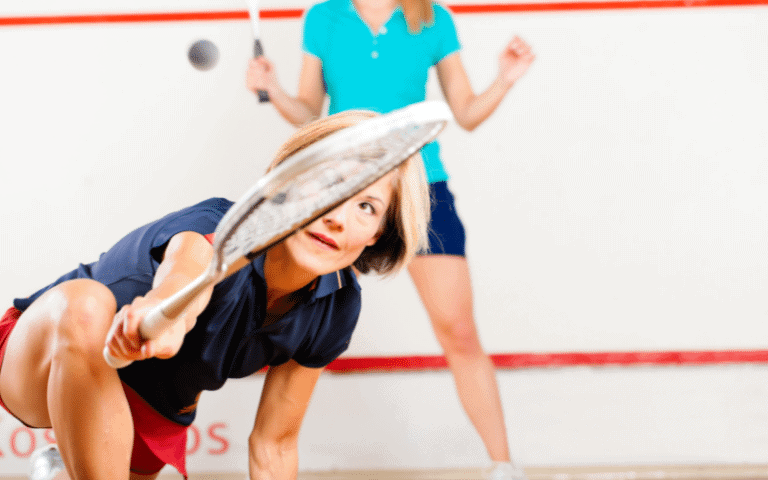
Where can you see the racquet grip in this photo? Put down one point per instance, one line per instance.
(115, 362)
(153, 325)
(164, 315)
(257, 52)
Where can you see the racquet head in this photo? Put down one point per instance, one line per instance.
(302, 188)
(321, 176)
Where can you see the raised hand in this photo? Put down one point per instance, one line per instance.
(514, 60)
(260, 74)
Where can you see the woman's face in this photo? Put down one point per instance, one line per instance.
(335, 240)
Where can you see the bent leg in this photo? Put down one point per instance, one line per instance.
(54, 375)
(444, 285)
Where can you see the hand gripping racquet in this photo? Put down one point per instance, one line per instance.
(302, 188)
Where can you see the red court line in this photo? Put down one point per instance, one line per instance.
(297, 13)
(614, 5)
(542, 360)
(147, 17)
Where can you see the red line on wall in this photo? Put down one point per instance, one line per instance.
(614, 5)
(548, 360)
(148, 17)
(297, 13)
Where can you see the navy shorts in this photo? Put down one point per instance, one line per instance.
(446, 232)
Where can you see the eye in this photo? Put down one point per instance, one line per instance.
(367, 207)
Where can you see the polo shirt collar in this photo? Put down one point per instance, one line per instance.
(326, 284)
(350, 7)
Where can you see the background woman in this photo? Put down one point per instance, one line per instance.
(376, 54)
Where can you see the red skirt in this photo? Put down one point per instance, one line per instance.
(157, 441)
(6, 326)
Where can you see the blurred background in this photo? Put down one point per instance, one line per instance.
(616, 203)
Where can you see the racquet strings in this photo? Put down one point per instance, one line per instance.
(302, 198)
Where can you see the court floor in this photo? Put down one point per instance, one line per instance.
(692, 472)
(735, 472)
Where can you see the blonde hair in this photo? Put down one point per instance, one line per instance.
(418, 13)
(406, 222)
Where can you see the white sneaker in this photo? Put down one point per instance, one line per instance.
(45, 463)
(505, 471)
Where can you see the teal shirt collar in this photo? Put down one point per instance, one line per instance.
(350, 7)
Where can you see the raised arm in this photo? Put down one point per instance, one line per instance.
(185, 258)
(306, 105)
(273, 444)
(469, 109)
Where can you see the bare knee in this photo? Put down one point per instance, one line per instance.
(84, 312)
(458, 335)
(65, 327)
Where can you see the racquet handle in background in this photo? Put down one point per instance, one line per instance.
(257, 52)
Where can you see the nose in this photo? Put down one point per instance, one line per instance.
(336, 218)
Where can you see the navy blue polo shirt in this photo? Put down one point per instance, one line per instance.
(229, 339)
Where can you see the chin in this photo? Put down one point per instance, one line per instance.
(318, 261)
(323, 266)
(318, 269)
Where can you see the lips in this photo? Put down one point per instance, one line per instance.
(323, 239)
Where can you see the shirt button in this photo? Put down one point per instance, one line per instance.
(374, 54)
(383, 30)
(375, 42)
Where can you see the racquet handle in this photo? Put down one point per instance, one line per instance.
(156, 321)
(113, 361)
(257, 52)
(164, 315)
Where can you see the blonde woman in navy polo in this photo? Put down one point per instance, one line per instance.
(293, 309)
(376, 54)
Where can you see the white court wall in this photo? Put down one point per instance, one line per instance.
(612, 416)
(616, 201)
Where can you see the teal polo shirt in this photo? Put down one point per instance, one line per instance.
(380, 71)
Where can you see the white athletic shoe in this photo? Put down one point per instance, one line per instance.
(45, 463)
(505, 471)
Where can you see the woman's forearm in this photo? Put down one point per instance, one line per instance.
(480, 107)
(293, 109)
